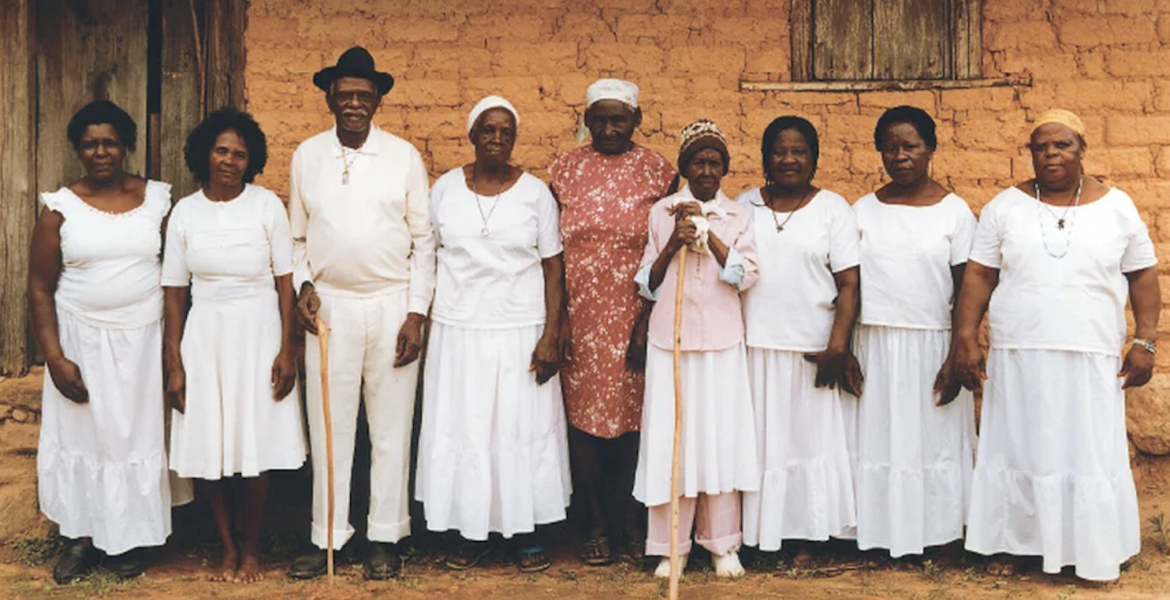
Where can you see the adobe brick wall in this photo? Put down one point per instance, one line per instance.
(1109, 60)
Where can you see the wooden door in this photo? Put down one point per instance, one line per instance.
(163, 61)
(87, 50)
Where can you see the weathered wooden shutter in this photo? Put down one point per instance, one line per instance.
(843, 39)
(910, 39)
(859, 40)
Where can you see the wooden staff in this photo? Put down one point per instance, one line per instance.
(323, 341)
(676, 459)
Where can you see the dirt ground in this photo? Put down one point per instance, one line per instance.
(179, 569)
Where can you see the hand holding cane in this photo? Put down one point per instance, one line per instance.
(323, 340)
(676, 458)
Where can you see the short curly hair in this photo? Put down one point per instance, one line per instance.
(202, 139)
(911, 115)
(782, 124)
(102, 112)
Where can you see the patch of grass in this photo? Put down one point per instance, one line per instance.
(412, 554)
(798, 573)
(36, 552)
(1161, 532)
(972, 575)
(101, 583)
(933, 572)
(1068, 593)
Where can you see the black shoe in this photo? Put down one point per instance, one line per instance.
(75, 563)
(309, 566)
(127, 565)
(383, 561)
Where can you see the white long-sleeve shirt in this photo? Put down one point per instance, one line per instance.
(370, 236)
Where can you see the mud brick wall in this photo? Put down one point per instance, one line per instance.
(1108, 60)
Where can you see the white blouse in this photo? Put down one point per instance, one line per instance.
(791, 306)
(489, 256)
(1074, 303)
(906, 257)
(110, 262)
(227, 247)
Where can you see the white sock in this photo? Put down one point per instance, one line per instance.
(728, 565)
(663, 570)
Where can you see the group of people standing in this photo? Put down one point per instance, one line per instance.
(824, 347)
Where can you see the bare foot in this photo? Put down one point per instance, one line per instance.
(803, 558)
(250, 568)
(227, 568)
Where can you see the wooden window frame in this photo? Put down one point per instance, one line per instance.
(965, 53)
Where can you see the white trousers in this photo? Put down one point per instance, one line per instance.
(362, 336)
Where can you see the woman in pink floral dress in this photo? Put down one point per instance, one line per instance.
(606, 190)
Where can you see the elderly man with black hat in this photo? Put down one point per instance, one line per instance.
(364, 260)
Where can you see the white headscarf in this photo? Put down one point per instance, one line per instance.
(612, 89)
(487, 104)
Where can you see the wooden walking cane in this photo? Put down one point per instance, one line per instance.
(676, 459)
(323, 341)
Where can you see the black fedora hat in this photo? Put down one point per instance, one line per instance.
(355, 62)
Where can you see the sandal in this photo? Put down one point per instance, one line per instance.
(467, 555)
(597, 552)
(1002, 567)
(532, 559)
(636, 550)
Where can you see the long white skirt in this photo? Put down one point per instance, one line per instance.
(807, 487)
(1052, 475)
(718, 442)
(101, 466)
(915, 459)
(493, 453)
(232, 424)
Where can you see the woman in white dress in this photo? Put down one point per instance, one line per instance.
(493, 453)
(915, 430)
(1055, 257)
(230, 362)
(799, 318)
(96, 308)
(718, 458)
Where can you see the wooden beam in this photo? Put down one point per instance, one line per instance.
(801, 32)
(887, 86)
(968, 55)
(181, 93)
(18, 184)
(226, 21)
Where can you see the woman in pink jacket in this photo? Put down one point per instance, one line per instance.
(718, 447)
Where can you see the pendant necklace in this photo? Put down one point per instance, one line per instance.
(486, 231)
(780, 225)
(1061, 220)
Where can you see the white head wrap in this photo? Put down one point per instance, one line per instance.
(487, 104)
(612, 89)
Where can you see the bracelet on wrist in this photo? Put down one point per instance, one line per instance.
(1150, 345)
